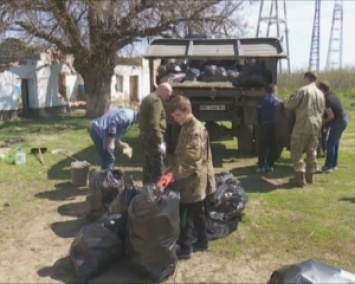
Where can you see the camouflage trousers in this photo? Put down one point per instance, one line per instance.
(304, 142)
(153, 166)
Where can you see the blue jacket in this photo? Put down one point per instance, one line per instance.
(266, 107)
(115, 122)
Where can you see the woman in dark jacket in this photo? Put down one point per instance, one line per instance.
(337, 121)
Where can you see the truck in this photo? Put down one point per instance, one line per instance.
(225, 103)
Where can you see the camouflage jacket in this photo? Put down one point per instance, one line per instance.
(193, 167)
(309, 106)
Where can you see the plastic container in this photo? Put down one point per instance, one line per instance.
(79, 173)
(20, 157)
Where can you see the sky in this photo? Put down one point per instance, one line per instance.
(300, 14)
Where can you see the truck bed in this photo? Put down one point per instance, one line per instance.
(198, 84)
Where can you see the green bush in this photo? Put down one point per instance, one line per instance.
(342, 81)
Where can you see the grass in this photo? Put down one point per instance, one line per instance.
(287, 223)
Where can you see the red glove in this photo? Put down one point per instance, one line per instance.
(166, 180)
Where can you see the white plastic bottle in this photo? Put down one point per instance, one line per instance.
(20, 157)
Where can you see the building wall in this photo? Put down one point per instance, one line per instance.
(10, 91)
(43, 89)
(120, 82)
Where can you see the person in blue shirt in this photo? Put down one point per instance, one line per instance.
(265, 112)
(108, 130)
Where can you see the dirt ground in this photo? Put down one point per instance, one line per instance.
(37, 250)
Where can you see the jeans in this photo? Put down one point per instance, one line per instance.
(337, 128)
(107, 158)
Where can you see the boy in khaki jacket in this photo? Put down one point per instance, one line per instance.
(193, 175)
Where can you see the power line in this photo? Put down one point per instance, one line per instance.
(272, 19)
(335, 48)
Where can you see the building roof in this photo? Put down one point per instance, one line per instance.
(215, 48)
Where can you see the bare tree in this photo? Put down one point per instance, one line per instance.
(93, 31)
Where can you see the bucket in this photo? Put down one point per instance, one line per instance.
(79, 173)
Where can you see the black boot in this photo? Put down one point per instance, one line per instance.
(183, 252)
(200, 246)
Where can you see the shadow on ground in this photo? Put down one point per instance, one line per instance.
(69, 228)
(61, 270)
(263, 183)
(221, 155)
(62, 191)
(347, 199)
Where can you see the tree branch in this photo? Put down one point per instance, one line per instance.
(43, 35)
(67, 23)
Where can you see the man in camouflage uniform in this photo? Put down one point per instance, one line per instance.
(309, 105)
(194, 176)
(152, 126)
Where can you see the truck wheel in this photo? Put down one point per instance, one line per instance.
(245, 139)
(171, 137)
(255, 139)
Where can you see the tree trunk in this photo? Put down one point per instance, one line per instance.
(97, 82)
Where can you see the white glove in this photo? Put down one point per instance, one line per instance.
(162, 148)
(128, 151)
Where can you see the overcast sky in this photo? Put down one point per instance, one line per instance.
(300, 15)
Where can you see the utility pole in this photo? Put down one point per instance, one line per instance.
(314, 53)
(272, 19)
(335, 48)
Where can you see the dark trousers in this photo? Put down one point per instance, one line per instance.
(336, 129)
(107, 158)
(193, 215)
(267, 145)
(153, 164)
(322, 139)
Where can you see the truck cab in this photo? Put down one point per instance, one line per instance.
(223, 78)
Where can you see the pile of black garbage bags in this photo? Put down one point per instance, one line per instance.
(143, 224)
(251, 76)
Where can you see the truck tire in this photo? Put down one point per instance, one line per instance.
(171, 137)
(246, 139)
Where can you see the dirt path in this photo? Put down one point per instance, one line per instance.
(36, 250)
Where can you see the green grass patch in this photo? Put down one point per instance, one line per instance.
(287, 223)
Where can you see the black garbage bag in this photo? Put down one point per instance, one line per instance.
(192, 74)
(121, 202)
(97, 245)
(212, 73)
(226, 207)
(153, 229)
(107, 183)
(173, 67)
(253, 76)
(232, 75)
(311, 271)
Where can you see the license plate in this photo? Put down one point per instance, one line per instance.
(212, 107)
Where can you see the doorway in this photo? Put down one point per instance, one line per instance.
(133, 89)
(24, 106)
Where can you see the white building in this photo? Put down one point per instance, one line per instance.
(130, 82)
(41, 83)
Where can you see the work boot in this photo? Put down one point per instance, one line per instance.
(298, 179)
(183, 252)
(199, 246)
(309, 177)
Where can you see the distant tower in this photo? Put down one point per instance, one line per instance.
(274, 18)
(315, 41)
(335, 48)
